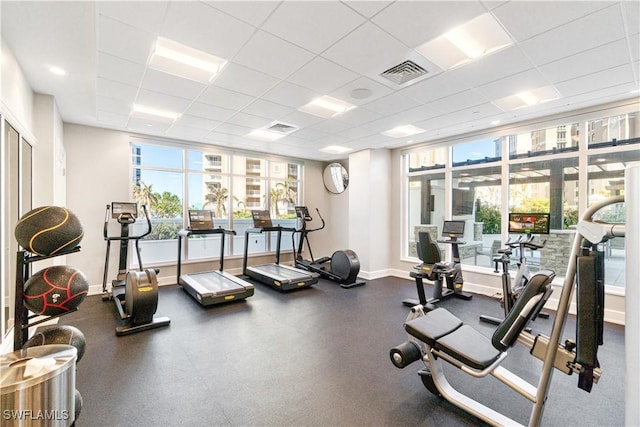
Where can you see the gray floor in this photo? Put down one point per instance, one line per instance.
(312, 357)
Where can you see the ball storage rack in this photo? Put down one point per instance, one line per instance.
(24, 321)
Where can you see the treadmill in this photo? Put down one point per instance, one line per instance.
(281, 277)
(210, 287)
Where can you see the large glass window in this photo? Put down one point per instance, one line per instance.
(477, 200)
(618, 129)
(545, 141)
(426, 207)
(489, 150)
(543, 173)
(170, 180)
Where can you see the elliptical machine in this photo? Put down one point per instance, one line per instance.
(343, 266)
(134, 293)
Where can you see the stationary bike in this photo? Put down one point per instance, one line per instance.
(433, 269)
(343, 266)
(511, 293)
(134, 293)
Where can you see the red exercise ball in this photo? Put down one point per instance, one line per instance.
(55, 290)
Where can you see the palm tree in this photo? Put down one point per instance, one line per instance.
(217, 196)
(144, 194)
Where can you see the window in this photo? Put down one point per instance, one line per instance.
(170, 180)
(543, 170)
(477, 199)
(545, 141)
(614, 130)
(489, 150)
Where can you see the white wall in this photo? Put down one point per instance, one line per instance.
(15, 93)
(370, 229)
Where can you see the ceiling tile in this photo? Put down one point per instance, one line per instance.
(301, 119)
(248, 120)
(331, 126)
(113, 105)
(270, 110)
(631, 12)
(358, 116)
(147, 15)
(368, 50)
(245, 80)
(588, 62)
(187, 120)
(272, 55)
(251, 12)
(148, 126)
(157, 81)
(124, 41)
(310, 134)
(436, 87)
(291, 95)
(511, 85)
(529, 18)
(417, 22)
(600, 80)
(232, 129)
(581, 34)
(116, 90)
(186, 132)
(392, 104)
(322, 76)
(210, 112)
(202, 27)
(162, 101)
(305, 23)
(492, 67)
(225, 98)
(112, 119)
(377, 91)
(118, 69)
(367, 8)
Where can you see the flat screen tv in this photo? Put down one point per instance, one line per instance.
(453, 229)
(529, 223)
(462, 201)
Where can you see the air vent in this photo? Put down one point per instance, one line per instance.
(281, 128)
(405, 72)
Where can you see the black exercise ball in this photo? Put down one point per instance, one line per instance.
(79, 401)
(59, 334)
(48, 230)
(55, 290)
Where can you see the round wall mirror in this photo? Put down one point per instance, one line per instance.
(336, 178)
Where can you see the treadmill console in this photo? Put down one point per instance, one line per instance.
(200, 219)
(261, 219)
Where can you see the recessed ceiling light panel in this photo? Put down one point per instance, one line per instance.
(402, 131)
(335, 149)
(327, 107)
(479, 37)
(527, 98)
(183, 61)
(144, 111)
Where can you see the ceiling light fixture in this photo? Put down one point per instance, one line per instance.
(265, 135)
(527, 98)
(155, 113)
(402, 131)
(57, 71)
(327, 107)
(476, 38)
(180, 60)
(335, 149)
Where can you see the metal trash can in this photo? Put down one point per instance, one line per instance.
(37, 386)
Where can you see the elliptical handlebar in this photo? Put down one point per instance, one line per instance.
(127, 221)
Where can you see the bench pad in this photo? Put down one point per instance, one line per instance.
(433, 325)
(468, 346)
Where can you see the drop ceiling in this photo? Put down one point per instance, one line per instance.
(284, 54)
